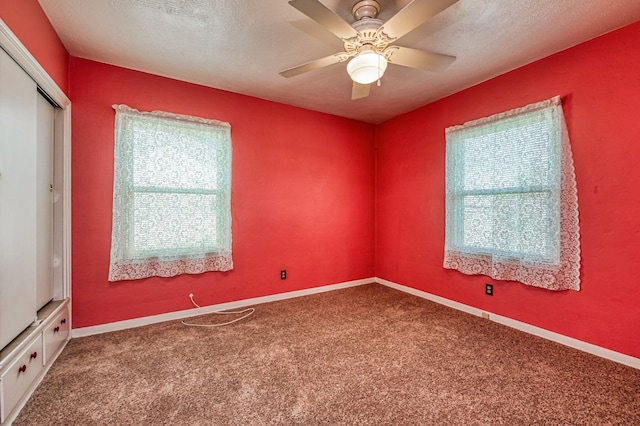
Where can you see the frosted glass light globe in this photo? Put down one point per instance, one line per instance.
(367, 67)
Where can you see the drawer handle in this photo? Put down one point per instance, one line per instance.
(63, 321)
(22, 369)
(34, 355)
(55, 330)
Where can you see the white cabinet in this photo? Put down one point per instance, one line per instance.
(35, 222)
(27, 125)
(19, 376)
(18, 162)
(44, 201)
(55, 335)
(23, 366)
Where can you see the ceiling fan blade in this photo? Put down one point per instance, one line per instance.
(420, 59)
(359, 91)
(413, 15)
(325, 17)
(318, 63)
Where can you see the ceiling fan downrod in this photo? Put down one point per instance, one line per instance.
(365, 9)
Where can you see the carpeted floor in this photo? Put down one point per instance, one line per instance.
(367, 355)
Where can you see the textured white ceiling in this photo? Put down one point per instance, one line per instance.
(240, 45)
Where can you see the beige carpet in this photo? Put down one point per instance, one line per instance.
(368, 355)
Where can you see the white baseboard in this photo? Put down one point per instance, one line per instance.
(518, 325)
(138, 322)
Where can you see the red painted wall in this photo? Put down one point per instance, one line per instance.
(303, 188)
(28, 22)
(302, 196)
(600, 86)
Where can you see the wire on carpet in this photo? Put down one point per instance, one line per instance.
(247, 313)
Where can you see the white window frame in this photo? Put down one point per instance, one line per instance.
(456, 194)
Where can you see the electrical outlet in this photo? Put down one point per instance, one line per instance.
(488, 289)
(283, 274)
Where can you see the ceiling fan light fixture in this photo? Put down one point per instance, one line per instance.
(367, 67)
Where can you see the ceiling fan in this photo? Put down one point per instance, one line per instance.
(368, 41)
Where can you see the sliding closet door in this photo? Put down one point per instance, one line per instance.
(44, 201)
(18, 159)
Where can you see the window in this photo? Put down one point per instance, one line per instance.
(171, 198)
(511, 199)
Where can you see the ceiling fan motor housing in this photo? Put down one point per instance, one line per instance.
(369, 38)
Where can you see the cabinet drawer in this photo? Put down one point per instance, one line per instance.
(56, 334)
(19, 376)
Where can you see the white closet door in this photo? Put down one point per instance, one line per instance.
(18, 159)
(44, 201)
